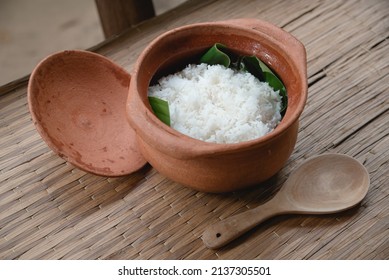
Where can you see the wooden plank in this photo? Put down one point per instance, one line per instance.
(119, 15)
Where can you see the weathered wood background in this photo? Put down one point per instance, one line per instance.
(51, 210)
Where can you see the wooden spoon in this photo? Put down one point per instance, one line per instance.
(324, 184)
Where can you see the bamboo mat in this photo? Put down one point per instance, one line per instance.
(52, 210)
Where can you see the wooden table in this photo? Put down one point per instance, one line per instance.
(51, 210)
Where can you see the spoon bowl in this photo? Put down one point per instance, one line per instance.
(321, 185)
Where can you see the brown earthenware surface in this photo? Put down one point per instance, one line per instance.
(77, 101)
(213, 167)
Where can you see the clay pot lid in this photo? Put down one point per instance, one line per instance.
(77, 100)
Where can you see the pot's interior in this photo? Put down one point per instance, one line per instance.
(177, 49)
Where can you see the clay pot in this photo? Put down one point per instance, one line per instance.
(211, 167)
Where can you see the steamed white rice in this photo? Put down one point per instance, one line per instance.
(218, 104)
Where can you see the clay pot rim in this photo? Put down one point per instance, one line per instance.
(180, 145)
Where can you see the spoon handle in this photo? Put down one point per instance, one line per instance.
(221, 233)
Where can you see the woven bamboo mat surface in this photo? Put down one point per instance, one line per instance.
(52, 210)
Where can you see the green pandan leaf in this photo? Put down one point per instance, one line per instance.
(260, 70)
(276, 84)
(252, 65)
(216, 55)
(161, 109)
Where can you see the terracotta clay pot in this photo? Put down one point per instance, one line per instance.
(77, 103)
(211, 167)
